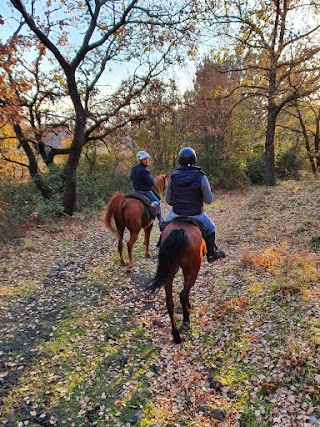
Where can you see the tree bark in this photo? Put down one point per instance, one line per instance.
(269, 147)
(70, 170)
(306, 141)
(33, 166)
(317, 141)
(34, 172)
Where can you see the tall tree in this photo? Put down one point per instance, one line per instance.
(278, 41)
(160, 134)
(25, 105)
(209, 106)
(303, 119)
(85, 37)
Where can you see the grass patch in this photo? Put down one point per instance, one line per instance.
(249, 419)
(25, 289)
(94, 369)
(289, 271)
(65, 243)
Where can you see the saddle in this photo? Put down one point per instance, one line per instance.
(151, 208)
(186, 219)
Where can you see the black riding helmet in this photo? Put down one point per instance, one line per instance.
(187, 156)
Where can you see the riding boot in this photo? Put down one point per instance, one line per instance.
(213, 252)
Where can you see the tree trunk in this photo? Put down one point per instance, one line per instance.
(317, 141)
(33, 165)
(306, 141)
(269, 148)
(35, 174)
(70, 170)
(41, 148)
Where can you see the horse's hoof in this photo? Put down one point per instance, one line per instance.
(148, 255)
(150, 289)
(185, 326)
(176, 337)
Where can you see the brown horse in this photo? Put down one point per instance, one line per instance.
(182, 245)
(161, 183)
(131, 214)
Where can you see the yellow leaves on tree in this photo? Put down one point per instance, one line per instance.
(10, 110)
(8, 149)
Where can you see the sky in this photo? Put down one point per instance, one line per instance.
(119, 71)
(183, 76)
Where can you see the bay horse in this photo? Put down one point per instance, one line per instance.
(131, 214)
(182, 245)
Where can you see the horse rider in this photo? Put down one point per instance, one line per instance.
(142, 180)
(188, 188)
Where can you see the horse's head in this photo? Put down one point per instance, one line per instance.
(161, 182)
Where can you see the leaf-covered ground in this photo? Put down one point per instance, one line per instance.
(81, 343)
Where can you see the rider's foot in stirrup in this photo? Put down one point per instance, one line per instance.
(215, 254)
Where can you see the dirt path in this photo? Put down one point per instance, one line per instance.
(82, 344)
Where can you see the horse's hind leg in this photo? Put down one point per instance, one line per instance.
(132, 240)
(120, 228)
(147, 232)
(170, 308)
(189, 280)
(120, 248)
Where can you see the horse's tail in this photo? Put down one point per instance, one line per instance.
(114, 208)
(169, 253)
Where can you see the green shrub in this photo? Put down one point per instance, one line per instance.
(256, 169)
(95, 185)
(21, 203)
(289, 163)
(17, 203)
(225, 173)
